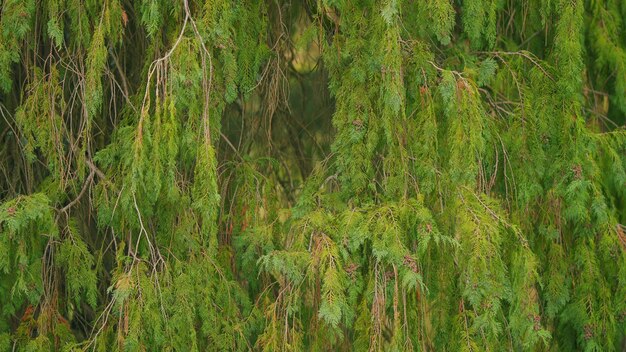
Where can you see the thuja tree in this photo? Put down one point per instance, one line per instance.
(330, 175)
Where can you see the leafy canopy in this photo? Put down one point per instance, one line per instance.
(319, 175)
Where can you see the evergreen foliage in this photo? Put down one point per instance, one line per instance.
(313, 175)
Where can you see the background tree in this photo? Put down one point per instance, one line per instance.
(397, 175)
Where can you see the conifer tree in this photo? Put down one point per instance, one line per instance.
(313, 175)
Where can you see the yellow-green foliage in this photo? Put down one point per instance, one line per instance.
(319, 175)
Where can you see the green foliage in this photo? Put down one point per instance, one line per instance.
(330, 175)
(26, 223)
(479, 22)
(442, 16)
(77, 261)
(16, 22)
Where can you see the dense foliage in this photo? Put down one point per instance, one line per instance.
(313, 175)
